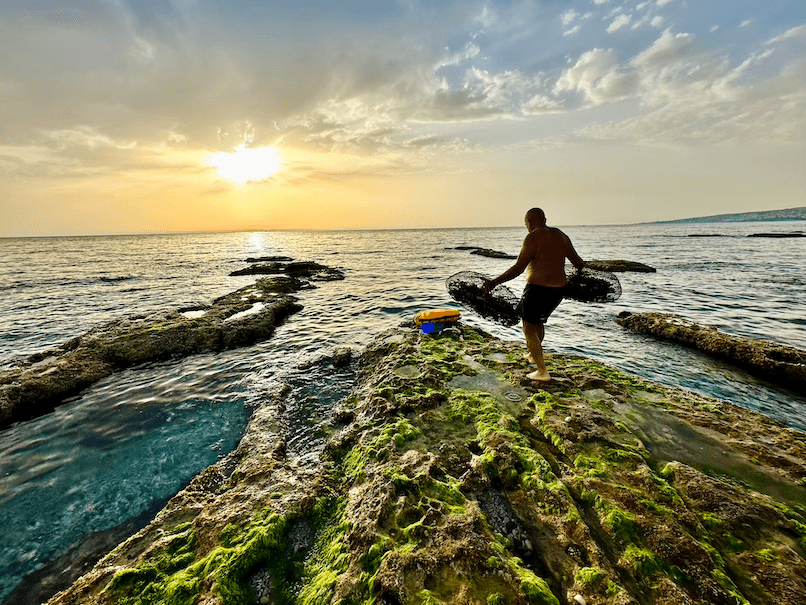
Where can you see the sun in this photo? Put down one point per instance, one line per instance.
(245, 164)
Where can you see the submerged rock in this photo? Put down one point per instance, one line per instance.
(620, 266)
(776, 363)
(278, 266)
(779, 235)
(488, 252)
(492, 253)
(463, 482)
(40, 383)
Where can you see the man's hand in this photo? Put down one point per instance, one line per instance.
(488, 285)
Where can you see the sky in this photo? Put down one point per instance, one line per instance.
(130, 116)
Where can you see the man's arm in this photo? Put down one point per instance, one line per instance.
(524, 258)
(572, 255)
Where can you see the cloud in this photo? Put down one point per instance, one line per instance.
(569, 16)
(598, 77)
(572, 31)
(690, 95)
(790, 33)
(663, 2)
(618, 23)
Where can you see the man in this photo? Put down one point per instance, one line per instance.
(543, 258)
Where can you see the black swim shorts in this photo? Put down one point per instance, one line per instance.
(538, 302)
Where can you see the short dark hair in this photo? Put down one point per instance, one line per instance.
(536, 214)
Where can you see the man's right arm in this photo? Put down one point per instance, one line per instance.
(572, 255)
(524, 258)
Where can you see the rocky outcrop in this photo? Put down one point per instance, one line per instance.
(493, 253)
(301, 269)
(38, 384)
(451, 478)
(620, 266)
(488, 252)
(776, 363)
(779, 235)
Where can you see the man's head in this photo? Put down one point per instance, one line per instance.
(535, 218)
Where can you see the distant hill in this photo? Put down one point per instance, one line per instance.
(789, 214)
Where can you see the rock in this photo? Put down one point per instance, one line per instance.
(620, 266)
(413, 499)
(492, 253)
(779, 235)
(777, 363)
(342, 357)
(270, 269)
(299, 269)
(37, 385)
(484, 252)
(269, 259)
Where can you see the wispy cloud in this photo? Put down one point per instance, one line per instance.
(794, 32)
(618, 23)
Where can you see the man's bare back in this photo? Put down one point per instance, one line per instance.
(547, 248)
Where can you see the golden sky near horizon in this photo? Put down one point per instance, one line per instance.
(124, 116)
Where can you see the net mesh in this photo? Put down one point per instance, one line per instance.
(502, 306)
(499, 305)
(591, 286)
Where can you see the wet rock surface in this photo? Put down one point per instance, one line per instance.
(776, 363)
(488, 252)
(620, 266)
(493, 253)
(38, 384)
(464, 482)
(779, 235)
(283, 265)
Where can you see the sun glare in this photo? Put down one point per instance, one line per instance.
(244, 164)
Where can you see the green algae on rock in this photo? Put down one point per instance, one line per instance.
(467, 483)
(38, 384)
(777, 363)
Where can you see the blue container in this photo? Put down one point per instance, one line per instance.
(432, 327)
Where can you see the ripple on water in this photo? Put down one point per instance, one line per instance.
(109, 455)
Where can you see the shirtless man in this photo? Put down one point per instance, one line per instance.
(543, 258)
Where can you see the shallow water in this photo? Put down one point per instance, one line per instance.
(138, 436)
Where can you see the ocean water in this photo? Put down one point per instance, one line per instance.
(128, 443)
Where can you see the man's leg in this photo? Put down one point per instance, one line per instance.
(534, 337)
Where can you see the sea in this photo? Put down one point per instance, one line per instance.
(78, 480)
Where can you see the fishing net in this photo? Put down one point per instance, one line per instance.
(502, 306)
(499, 304)
(592, 286)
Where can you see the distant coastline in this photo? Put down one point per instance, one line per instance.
(788, 214)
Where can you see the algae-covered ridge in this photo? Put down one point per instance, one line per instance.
(36, 385)
(451, 478)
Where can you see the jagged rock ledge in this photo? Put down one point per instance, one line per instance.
(620, 266)
(488, 252)
(777, 363)
(38, 384)
(454, 479)
(779, 235)
(284, 265)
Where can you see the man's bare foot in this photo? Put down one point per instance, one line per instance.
(539, 376)
(528, 357)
